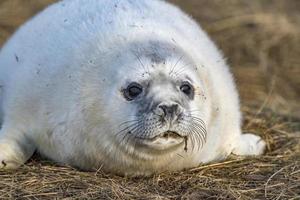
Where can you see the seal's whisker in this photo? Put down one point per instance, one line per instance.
(198, 120)
(194, 142)
(138, 132)
(142, 64)
(180, 58)
(181, 70)
(193, 134)
(198, 139)
(192, 111)
(131, 134)
(201, 137)
(190, 131)
(128, 122)
(201, 142)
(127, 127)
(200, 127)
(135, 129)
(197, 129)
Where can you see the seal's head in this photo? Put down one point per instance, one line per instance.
(157, 103)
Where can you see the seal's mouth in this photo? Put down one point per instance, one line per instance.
(170, 134)
(164, 141)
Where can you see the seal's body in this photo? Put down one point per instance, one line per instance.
(129, 86)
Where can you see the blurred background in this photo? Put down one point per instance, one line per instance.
(260, 39)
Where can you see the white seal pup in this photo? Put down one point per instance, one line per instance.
(132, 87)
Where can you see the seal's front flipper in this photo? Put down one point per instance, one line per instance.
(15, 150)
(249, 145)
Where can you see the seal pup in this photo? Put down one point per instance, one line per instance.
(132, 87)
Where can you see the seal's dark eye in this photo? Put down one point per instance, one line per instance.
(187, 89)
(133, 91)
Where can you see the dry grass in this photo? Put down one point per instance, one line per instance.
(261, 40)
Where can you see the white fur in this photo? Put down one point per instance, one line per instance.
(61, 70)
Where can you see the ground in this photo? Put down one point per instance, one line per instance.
(261, 40)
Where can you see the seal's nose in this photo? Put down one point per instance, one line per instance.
(169, 111)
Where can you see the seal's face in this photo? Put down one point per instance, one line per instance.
(159, 105)
(163, 113)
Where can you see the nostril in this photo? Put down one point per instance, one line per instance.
(164, 109)
(169, 110)
(174, 108)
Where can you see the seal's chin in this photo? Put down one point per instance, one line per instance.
(163, 141)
